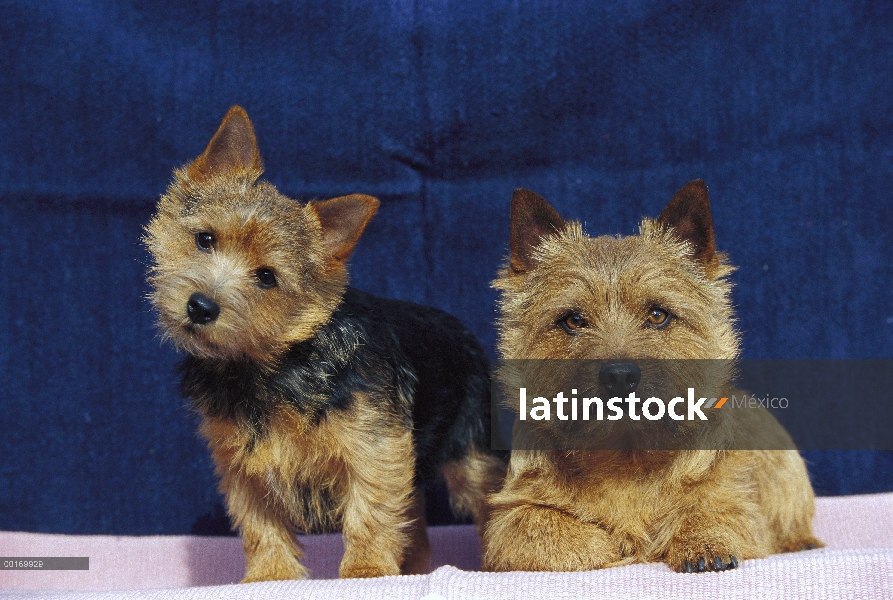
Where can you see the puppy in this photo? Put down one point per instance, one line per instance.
(324, 407)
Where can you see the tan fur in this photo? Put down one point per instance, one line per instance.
(470, 480)
(370, 498)
(417, 558)
(580, 510)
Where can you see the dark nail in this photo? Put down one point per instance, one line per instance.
(718, 562)
(687, 567)
(702, 566)
(733, 562)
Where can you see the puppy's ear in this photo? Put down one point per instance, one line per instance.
(343, 221)
(532, 219)
(232, 149)
(688, 213)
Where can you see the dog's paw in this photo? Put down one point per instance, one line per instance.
(703, 556)
(366, 570)
(539, 538)
(276, 571)
(808, 543)
(701, 565)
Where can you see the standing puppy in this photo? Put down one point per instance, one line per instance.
(658, 491)
(324, 407)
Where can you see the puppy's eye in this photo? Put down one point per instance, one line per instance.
(658, 318)
(265, 277)
(205, 241)
(572, 322)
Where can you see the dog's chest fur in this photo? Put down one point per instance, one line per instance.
(298, 466)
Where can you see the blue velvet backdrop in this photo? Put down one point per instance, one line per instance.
(440, 108)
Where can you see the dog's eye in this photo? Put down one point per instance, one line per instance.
(572, 321)
(658, 317)
(265, 277)
(205, 241)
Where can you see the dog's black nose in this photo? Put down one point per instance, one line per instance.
(202, 309)
(621, 378)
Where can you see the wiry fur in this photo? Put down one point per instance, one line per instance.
(601, 274)
(696, 510)
(324, 407)
(257, 226)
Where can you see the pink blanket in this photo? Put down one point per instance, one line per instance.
(858, 563)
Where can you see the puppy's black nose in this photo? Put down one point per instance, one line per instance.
(620, 379)
(202, 309)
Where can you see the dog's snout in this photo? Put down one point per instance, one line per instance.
(201, 309)
(620, 379)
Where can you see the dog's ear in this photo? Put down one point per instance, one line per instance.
(343, 221)
(232, 149)
(688, 213)
(532, 219)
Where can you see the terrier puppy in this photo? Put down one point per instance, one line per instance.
(324, 407)
(626, 302)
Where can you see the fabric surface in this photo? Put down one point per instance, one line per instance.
(831, 574)
(441, 109)
(858, 532)
(131, 562)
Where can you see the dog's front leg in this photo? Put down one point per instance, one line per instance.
(378, 501)
(533, 537)
(720, 523)
(271, 550)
